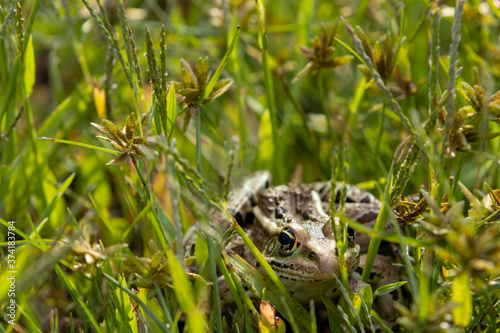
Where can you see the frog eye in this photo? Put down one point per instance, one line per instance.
(286, 237)
(287, 241)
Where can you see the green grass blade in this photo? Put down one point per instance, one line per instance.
(217, 305)
(211, 84)
(183, 290)
(29, 68)
(171, 110)
(64, 186)
(80, 144)
(76, 297)
(139, 301)
(268, 79)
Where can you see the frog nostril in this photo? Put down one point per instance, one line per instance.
(312, 256)
(350, 238)
(250, 217)
(239, 218)
(279, 213)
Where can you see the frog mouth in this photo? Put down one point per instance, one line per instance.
(298, 278)
(289, 272)
(284, 271)
(300, 273)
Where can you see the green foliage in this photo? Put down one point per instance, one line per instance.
(125, 142)
(319, 56)
(407, 103)
(195, 89)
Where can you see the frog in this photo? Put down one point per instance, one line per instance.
(291, 225)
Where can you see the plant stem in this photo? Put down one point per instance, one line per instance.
(297, 106)
(143, 181)
(198, 148)
(198, 141)
(322, 95)
(456, 179)
(174, 199)
(381, 130)
(211, 257)
(452, 70)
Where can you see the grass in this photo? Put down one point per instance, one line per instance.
(198, 95)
